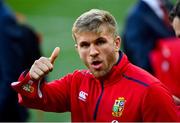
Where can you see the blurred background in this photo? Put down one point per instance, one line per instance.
(54, 19)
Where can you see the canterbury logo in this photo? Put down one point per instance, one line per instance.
(82, 95)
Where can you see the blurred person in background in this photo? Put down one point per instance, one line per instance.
(110, 90)
(175, 18)
(147, 22)
(175, 21)
(165, 58)
(19, 46)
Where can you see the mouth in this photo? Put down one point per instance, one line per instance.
(96, 64)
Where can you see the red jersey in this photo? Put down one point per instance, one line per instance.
(127, 93)
(165, 60)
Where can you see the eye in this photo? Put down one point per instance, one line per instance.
(101, 41)
(84, 45)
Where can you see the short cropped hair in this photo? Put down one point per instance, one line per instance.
(175, 12)
(91, 21)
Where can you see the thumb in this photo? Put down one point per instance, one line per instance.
(54, 54)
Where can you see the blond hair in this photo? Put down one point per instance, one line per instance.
(93, 20)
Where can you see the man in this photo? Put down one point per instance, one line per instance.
(175, 18)
(112, 89)
(10, 67)
(145, 25)
(19, 47)
(165, 58)
(175, 21)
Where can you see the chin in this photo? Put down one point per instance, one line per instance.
(99, 74)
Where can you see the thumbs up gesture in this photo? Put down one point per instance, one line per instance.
(43, 65)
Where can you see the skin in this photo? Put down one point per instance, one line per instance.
(176, 26)
(99, 52)
(43, 65)
(176, 100)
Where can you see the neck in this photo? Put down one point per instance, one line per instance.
(118, 57)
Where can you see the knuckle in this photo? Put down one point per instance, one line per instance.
(44, 68)
(36, 62)
(36, 77)
(43, 59)
(51, 68)
(40, 72)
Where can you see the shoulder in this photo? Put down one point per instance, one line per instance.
(79, 74)
(139, 76)
(145, 82)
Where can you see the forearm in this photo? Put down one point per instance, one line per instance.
(51, 96)
(29, 93)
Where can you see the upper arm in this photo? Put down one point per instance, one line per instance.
(56, 94)
(158, 105)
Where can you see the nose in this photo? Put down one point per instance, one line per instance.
(93, 51)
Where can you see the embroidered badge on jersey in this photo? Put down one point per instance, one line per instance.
(118, 107)
(83, 96)
(28, 87)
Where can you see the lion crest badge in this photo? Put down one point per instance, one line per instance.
(118, 107)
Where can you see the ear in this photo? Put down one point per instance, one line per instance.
(76, 47)
(117, 43)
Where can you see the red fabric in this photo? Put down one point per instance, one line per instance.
(26, 87)
(128, 93)
(165, 61)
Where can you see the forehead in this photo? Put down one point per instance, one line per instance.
(91, 36)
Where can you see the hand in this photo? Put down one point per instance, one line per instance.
(176, 100)
(43, 65)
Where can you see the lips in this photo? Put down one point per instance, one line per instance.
(96, 64)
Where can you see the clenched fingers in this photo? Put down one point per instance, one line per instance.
(40, 68)
(45, 64)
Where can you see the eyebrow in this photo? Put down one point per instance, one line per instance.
(100, 38)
